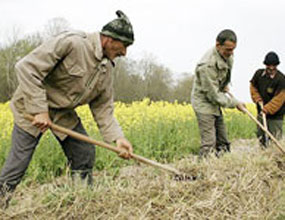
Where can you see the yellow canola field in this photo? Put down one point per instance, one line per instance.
(130, 116)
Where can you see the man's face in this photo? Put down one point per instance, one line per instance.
(114, 48)
(271, 69)
(227, 49)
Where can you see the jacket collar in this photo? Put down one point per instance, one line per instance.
(270, 76)
(96, 42)
(221, 62)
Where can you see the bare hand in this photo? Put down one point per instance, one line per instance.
(126, 148)
(260, 104)
(264, 111)
(42, 121)
(241, 107)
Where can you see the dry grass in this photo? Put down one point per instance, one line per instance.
(246, 184)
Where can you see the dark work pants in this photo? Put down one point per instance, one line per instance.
(213, 134)
(274, 127)
(80, 156)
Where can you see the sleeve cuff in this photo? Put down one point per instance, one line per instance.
(110, 138)
(33, 108)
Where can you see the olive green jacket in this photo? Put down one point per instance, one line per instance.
(212, 75)
(67, 71)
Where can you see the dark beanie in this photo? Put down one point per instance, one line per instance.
(271, 59)
(120, 29)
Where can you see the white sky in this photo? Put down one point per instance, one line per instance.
(176, 32)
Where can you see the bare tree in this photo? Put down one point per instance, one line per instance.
(157, 79)
(128, 84)
(55, 26)
(183, 88)
(134, 80)
(8, 58)
(10, 52)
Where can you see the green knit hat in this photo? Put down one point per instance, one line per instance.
(120, 29)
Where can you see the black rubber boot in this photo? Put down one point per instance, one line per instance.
(222, 149)
(82, 177)
(5, 196)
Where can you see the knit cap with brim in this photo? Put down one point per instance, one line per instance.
(271, 59)
(120, 29)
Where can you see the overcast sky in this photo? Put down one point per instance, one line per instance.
(176, 32)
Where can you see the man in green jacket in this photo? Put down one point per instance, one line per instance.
(69, 70)
(209, 94)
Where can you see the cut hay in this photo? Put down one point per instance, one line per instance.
(245, 184)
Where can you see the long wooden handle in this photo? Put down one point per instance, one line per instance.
(265, 130)
(264, 120)
(263, 117)
(105, 145)
(262, 127)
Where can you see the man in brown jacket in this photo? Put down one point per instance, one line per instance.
(69, 70)
(267, 88)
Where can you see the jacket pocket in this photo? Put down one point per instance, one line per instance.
(72, 68)
(73, 82)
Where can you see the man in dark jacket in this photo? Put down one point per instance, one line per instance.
(267, 88)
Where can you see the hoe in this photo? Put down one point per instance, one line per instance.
(264, 128)
(178, 175)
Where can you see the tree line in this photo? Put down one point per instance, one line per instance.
(133, 79)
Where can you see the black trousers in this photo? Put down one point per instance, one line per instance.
(80, 156)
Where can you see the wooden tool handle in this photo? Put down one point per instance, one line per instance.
(265, 130)
(262, 127)
(263, 116)
(105, 145)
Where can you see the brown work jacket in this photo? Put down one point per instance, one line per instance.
(63, 73)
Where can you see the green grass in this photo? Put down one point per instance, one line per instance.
(163, 141)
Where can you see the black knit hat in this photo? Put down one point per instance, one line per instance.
(120, 29)
(271, 59)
